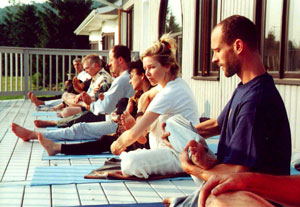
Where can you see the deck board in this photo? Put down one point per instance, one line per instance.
(19, 159)
(91, 194)
(37, 196)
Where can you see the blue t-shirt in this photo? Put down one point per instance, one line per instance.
(255, 130)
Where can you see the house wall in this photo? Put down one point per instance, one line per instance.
(95, 36)
(108, 26)
(146, 13)
(111, 26)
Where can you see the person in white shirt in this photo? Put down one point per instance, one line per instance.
(173, 97)
(101, 82)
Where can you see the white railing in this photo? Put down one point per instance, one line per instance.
(41, 70)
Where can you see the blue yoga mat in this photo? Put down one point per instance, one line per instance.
(66, 157)
(50, 118)
(127, 205)
(215, 137)
(44, 113)
(59, 175)
(52, 128)
(294, 171)
(213, 147)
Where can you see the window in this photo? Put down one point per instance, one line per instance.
(206, 18)
(108, 40)
(280, 37)
(94, 45)
(170, 21)
(126, 24)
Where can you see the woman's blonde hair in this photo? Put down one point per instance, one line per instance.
(164, 51)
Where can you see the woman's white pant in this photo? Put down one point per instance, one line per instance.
(144, 162)
(55, 102)
(82, 131)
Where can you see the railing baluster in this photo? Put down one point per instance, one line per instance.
(1, 69)
(44, 78)
(56, 74)
(16, 71)
(11, 71)
(70, 63)
(50, 72)
(26, 72)
(21, 74)
(63, 71)
(30, 72)
(37, 71)
(6, 68)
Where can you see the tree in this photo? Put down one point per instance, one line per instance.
(59, 20)
(171, 25)
(49, 25)
(27, 27)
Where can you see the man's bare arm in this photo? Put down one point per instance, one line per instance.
(208, 128)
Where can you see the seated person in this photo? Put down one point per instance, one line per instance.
(101, 81)
(173, 97)
(82, 80)
(254, 132)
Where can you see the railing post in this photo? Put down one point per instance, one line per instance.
(26, 72)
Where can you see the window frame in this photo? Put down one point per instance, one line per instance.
(161, 26)
(94, 45)
(206, 11)
(282, 76)
(128, 26)
(105, 40)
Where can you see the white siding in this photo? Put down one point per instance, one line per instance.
(145, 12)
(95, 36)
(290, 95)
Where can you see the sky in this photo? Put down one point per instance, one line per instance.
(4, 3)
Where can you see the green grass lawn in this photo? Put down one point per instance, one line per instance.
(10, 97)
(14, 80)
(8, 81)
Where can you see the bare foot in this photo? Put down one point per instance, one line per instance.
(23, 133)
(52, 148)
(127, 120)
(29, 94)
(59, 115)
(42, 123)
(200, 157)
(35, 100)
(167, 201)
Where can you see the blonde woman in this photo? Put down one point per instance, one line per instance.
(173, 97)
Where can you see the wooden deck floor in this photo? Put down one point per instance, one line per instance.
(18, 160)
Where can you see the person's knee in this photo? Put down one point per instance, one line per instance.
(131, 164)
(128, 162)
(67, 112)
(77, 128)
